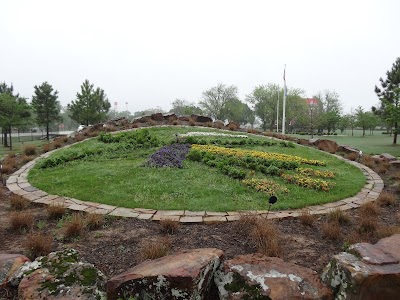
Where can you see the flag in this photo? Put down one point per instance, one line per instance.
(284, 82)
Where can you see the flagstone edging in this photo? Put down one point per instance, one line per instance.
(18, 184)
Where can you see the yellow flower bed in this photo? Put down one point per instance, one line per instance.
(259, 154)
(308, 182)
(264, 185)
(315, 173)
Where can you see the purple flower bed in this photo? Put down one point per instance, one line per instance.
(169, 156)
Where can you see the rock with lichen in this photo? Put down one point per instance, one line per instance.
(183, 275)
(60, 275)
(255, 276)
(9, 265)
(366, 271)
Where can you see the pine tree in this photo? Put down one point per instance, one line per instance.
(46, 106)
(389, 95)
(91, 105)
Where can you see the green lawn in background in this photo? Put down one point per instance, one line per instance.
(370, 144)
(124, 181)
(19, 144)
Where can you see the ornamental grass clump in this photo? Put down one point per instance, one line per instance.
(306, 218)
(21, 220)
(29, 150)
(38, 244)
(266, 238)
(56, 211)
(18, 203)
(169, 226)
(386, 198)
(152, 249)
(339, 216)
(169, 156)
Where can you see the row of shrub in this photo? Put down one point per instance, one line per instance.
(119, 143)
(137, 138)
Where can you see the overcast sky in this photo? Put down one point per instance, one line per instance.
(148, 53)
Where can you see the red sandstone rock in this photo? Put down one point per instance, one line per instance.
(171, 117)
(373, 273)
(200, 119)
(184, 275)
(157, 117)
(256, 276)
(9, 264)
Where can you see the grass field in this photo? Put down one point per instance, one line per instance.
(370, 144)
(124, 180)
(19, 143)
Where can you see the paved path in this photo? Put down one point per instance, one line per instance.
(18, 184)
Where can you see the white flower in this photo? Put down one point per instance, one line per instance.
(200, 133)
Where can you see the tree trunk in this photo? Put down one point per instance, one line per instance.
(395, 134)
(5, 138)
(10, 139)
(47, 132)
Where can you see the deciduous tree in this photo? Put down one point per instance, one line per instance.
(182, 107)
(214, 100)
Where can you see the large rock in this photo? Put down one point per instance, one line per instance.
(184, 275)
(9, 265)
(366, 271)
(61, 275)
(159, 117)
(388, 156)
(255, 276)
(200, 119)
(348, 150)
(395, 164)
(171, 117)
(233, 125)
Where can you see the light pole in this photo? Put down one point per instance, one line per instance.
(311, 121)
(312, 104)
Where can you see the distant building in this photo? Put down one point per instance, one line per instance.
(312, 101)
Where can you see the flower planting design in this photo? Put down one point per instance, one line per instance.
(169, 156)
(232, 161)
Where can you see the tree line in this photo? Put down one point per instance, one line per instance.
(91, 106)
(263, 104)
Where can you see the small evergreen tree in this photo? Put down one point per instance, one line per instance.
(46, 106)
(91, 105)
(389, 95)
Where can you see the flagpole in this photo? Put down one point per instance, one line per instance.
(284, 101)
(277, 114)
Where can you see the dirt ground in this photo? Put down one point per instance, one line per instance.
(118, 245)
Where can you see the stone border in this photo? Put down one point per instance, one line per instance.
(18, 184)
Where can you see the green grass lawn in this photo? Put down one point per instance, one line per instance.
(19, 144)
(370, 144)
(123, 180)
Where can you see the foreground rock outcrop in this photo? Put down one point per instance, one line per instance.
(9, 265)
(60, 275)
(184, 275)
(255, 276)
(366, 271)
